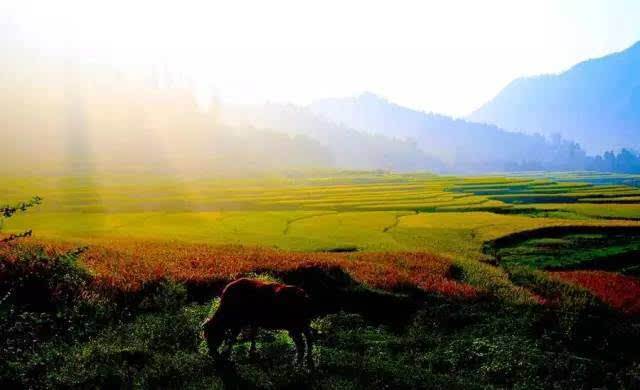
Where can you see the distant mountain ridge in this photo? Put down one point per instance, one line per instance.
(95, 118)
(596, 103)
(463, 145)
(349, 148)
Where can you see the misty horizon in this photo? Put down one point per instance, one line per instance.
(182, 100)
(423, 63)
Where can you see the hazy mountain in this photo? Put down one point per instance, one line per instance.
(463, 145)
(596, 103)
(350, 149)
(64, 115)
(70, 117)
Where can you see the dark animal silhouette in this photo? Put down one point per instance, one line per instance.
(254, 303)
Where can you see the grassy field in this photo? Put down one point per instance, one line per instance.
(365, 211)
(478, 273)
(351, 211)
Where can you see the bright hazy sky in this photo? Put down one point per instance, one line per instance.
(443, 56)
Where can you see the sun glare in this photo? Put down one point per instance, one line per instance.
(447, 57)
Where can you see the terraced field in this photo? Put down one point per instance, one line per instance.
(342, 212)
(366, 211)
(473, 268)
(363, 211)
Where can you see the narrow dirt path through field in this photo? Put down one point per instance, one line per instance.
(289, 222)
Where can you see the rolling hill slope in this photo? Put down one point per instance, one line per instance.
(465, 146)
(596, 103)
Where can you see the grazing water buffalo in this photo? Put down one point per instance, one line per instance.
(254, 303)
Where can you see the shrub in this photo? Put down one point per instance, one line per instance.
(35, 280)
(155, 350)
(44, 297)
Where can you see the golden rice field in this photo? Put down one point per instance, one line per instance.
(141, 220)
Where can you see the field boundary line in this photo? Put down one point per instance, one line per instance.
(394, 225)
(287, 227)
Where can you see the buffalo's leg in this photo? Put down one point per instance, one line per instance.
(233, 335)
(309, 339)
(296, 335)
(212, 346)
(252, 334)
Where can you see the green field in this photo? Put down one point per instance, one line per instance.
(451, 216)
(575, 247)
(355, 211)
(337, 211)
(372, 211)
(501, 241)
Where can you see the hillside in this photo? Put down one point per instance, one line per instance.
(349, 148)
(596, 103)
(99, 119)
(463, 145)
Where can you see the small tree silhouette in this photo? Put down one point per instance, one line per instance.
(9, 211)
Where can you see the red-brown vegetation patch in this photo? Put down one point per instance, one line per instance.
(127, 265)
(619, 291)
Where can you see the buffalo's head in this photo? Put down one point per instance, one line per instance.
(213, 332)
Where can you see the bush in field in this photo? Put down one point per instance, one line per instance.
(42, 301)
(152, 350)
(42, 297)
(34, 280)
(49, 305)
(41, 282)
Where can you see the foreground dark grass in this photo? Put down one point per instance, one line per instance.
(59, 331)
